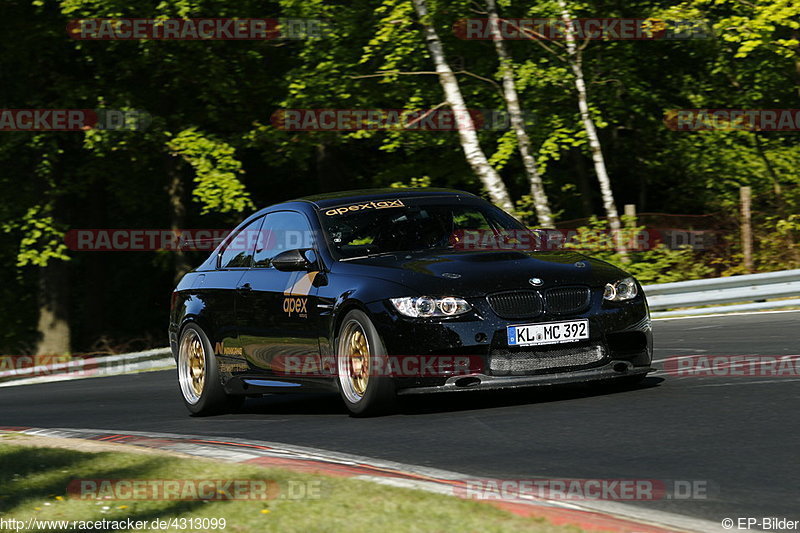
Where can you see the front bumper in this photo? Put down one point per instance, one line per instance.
(471, 382)
(621, 332)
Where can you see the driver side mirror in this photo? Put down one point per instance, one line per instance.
(295, 260)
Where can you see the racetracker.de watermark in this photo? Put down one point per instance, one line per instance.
(391, 119)
(138, 240)
(64, 366)
(73, 119)
(194, 489)
(28, 366)
(396, 366)
(198, 29)
(733, 119)
(585, 489)
(761, 366)
(602, 29)
(591, 240)
(106, 240)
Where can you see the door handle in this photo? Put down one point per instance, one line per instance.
(244, 288)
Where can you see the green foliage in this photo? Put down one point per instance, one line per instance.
(559, 139)
(653, 264)
(777, 243)
(414, 183)
(216, 171)
(525, 210)
(751, 25)
(395, 36)
(42, 238)
(506, 148)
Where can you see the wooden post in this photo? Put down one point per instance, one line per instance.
(630, 212)
(747, 228)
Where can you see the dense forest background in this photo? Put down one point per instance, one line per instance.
(211, 153)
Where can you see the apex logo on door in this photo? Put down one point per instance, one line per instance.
(296, 306)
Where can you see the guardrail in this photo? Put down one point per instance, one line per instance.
(107, 365)
(665, 300)
(754, 288)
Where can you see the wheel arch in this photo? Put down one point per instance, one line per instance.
(340, 311)
(199, 321)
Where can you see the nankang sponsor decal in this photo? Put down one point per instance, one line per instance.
(381, 204)
(221, 349)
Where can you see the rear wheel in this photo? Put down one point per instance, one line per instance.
(198, 375)
(361, 368)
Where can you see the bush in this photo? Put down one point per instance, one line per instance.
(658, 264)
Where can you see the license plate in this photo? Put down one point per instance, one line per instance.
(548, 333)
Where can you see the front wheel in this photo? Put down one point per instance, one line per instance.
(361, 356)
(198, 375)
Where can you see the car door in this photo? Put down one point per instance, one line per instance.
(277, 311)
(218, 289)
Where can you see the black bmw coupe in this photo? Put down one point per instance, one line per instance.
(379, 293)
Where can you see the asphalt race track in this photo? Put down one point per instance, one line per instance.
(740, 434)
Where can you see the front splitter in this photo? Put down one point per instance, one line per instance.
(473, 382)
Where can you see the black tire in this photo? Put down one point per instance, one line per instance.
(377, 395)
(201, 396)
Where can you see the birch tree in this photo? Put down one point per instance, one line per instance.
(467, 134)
(538, 194)
(574, 59)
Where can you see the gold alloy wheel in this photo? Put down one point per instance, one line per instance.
(354, 361)
(359, 361)
(192, 366)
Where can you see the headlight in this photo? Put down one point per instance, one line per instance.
(619, 291)
(425, 307)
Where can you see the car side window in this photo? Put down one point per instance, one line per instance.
(282, 230)
(238, 252)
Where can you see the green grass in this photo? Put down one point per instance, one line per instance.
(33, 483)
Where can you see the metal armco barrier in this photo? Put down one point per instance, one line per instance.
(108, 365)
(752, 288)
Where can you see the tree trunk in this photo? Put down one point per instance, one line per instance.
(53, 298)
(575, 60)
(585, 190)
(540, 202)
(466, 127)
(177, 213)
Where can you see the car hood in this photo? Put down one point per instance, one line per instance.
(469, 273)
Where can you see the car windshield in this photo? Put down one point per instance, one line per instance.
(388, 226)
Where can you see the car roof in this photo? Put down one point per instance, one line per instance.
(322, 201)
